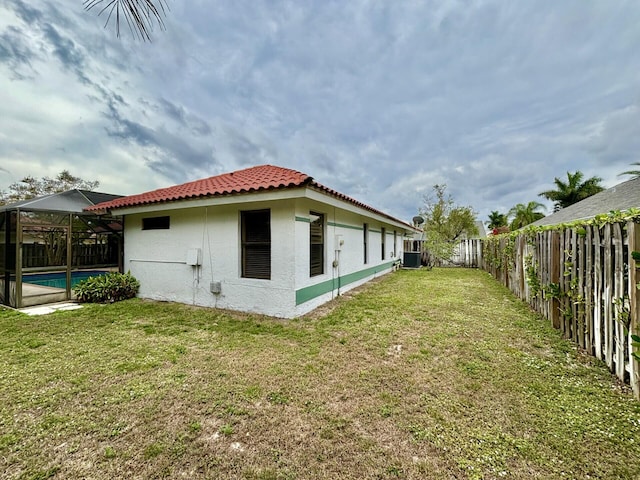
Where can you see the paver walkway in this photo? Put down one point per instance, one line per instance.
(50, 308)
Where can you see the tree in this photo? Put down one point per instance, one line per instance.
(573, 190)
(445, 223)
(497, 220)
(31, 187)
(140, 15)
(522, 214)
(633, 173)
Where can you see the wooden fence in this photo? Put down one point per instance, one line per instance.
(584, 280)
(467, 253)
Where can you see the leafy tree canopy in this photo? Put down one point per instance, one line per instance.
(497, 220)
(522, 214)
(445, 223)
(31, 187)
(573, 190)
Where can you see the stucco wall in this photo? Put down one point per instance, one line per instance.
(158, 258)
(350, 269)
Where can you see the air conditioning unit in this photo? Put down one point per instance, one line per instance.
(411, 260)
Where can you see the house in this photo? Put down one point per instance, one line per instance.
(265, 239)
(621, 197)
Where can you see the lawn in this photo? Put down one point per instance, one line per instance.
(423, 374)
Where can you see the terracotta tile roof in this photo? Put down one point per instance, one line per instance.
(263, 177)
(253, 179)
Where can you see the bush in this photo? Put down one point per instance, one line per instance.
(111, 287)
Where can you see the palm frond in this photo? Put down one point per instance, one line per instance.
(140, 15)
(634, 173)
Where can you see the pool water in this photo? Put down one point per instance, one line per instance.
(59, 279)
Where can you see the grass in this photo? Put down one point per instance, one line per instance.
(424, 374)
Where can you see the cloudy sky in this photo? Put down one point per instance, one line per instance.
(379, 100)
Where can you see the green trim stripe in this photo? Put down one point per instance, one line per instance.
(330, 224)
(309, 293)
(342, 225)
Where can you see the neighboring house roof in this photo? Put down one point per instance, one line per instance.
(253, 179)
(619, 198)
(74, 200)
(482, 233)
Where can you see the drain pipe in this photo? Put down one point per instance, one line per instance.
(338, 242)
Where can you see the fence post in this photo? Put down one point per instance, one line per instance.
(618, 296)
(633, 236)
(589, 289)
(554, 277)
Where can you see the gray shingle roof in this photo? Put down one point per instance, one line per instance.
(619, 198)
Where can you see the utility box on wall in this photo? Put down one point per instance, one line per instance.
(215, 287)
(194, 256)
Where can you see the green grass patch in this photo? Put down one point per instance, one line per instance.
(423, 374)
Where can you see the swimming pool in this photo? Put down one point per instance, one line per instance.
(59, 279)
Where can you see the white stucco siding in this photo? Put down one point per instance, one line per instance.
(158, 258)
(351, 270)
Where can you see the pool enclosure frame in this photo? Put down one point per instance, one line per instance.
(53, 236)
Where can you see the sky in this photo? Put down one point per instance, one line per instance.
(379, 100)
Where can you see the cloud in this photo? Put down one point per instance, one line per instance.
(377, 100)
(179, 114)
(25, 12)
(65, 50)
(165, 152)
(244, 148)
(16, 53)
(616, 138)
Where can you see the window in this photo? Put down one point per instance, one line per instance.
(316, 241)
(383, 233)
(365, 239)
(155, 223)
(256, 244)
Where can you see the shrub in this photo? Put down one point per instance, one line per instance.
(111, 287)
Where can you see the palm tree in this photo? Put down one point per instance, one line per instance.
(497, 219)
(525, 214)
(573, 190)
(634, 173)
(140, 15)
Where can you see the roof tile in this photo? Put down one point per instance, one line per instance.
(263, 177)
(253, 179)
